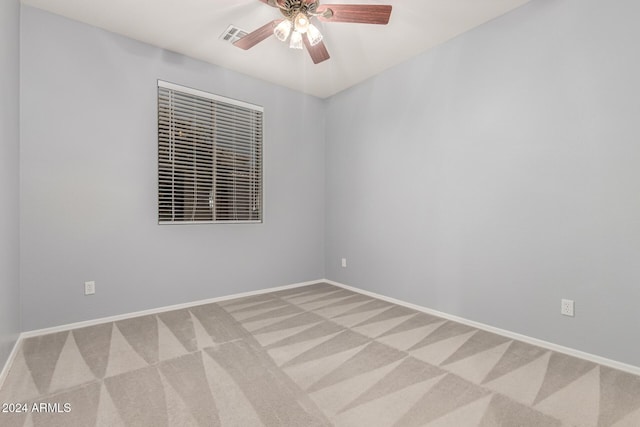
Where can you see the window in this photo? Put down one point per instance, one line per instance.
(209, 157)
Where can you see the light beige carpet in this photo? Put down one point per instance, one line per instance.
(312, 356)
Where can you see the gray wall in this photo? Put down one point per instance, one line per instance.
(499, 173)
(9, 176)
(89, 154)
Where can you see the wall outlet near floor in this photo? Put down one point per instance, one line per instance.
(344, 262)
(566, 307)
(89, 288)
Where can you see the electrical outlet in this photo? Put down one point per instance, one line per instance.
(566, 307)
(89, 288)
(344, 262)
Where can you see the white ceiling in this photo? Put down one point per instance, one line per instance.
(358, 51)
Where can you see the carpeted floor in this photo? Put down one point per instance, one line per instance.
(312, 356)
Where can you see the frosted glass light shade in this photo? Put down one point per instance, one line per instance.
(296, 40)
(283, 30)
(301, 22)
(314, 35)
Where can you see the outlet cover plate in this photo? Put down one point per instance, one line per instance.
(566, 307)
(89, 288)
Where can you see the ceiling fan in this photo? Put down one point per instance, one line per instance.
(298, 15)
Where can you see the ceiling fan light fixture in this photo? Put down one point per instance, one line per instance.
(314, 35)
(283, 30)
(301, 22)
(295, 23)
(296, 40)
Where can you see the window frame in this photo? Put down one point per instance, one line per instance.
(218, 98)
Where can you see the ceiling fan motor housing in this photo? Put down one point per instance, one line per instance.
(291, 8)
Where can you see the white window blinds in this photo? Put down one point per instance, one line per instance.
(209, 157)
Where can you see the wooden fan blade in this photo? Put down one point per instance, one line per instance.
(358, 13)
(318, 52)
(255, 37)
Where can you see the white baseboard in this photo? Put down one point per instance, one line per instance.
(9, 362)
(530, 340)
(524, 338)
(69, 326)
